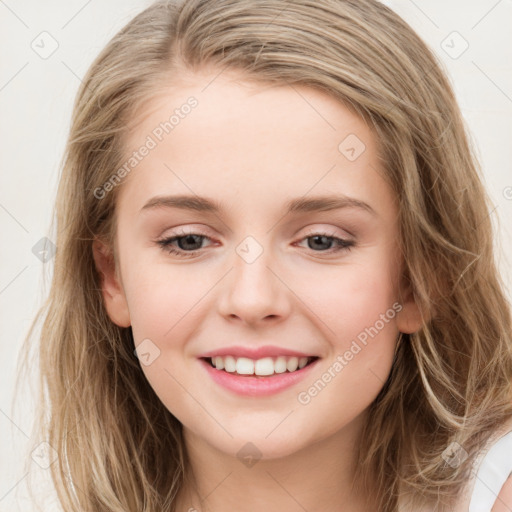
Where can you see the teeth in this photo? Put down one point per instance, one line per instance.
(264, 366)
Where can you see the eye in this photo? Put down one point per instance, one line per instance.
(185, 240)
(321, 240)
(189, 244)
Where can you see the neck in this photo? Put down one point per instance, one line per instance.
(318, 477)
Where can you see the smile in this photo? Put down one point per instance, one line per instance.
(261, 367)
(252, 384)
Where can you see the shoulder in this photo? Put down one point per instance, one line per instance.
(492, 491)
(504, 501)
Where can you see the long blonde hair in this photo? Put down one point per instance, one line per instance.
(119, 448)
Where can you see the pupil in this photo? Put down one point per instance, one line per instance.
(325, 238)
(189, 239)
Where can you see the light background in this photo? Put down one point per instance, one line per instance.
(36, 96)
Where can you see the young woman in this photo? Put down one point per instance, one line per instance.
(275, 285)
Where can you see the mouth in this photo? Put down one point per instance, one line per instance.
(265, 367)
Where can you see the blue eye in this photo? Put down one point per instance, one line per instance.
(195, 239)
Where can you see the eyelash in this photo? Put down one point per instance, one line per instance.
(165, 244)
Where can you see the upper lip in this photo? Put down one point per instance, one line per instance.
(255, 352)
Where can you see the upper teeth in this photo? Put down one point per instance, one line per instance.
(265, 366)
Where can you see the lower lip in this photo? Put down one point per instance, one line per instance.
(257, 386)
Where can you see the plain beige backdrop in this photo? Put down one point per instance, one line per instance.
(47, 48)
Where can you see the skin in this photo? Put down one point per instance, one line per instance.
(253, 148)
(504, 501)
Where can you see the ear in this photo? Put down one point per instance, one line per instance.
(113, 292)
(408, 319)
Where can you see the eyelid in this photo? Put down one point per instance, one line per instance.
(188, 229)
(335, 231)
(311, 230)
(342, 243)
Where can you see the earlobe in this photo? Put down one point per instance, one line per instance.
(409, 320)
(112, 290)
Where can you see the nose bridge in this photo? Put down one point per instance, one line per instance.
(254, 291)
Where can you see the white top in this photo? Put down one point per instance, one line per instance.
(492, 473)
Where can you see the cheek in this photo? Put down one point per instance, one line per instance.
(154, 309)
(357, 306)
(159, 295)
(358, 312)
(351, 298)
(161, 302)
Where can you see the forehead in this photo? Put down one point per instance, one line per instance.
(245, 136)
(230, 101)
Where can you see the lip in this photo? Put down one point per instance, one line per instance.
(256, 386)
(255, 352)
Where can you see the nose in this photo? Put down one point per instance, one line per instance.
(255, 291)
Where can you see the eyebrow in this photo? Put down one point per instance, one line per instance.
(300, 205)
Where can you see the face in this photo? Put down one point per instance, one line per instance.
(324, 282)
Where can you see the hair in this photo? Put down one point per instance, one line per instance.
(119, 448)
